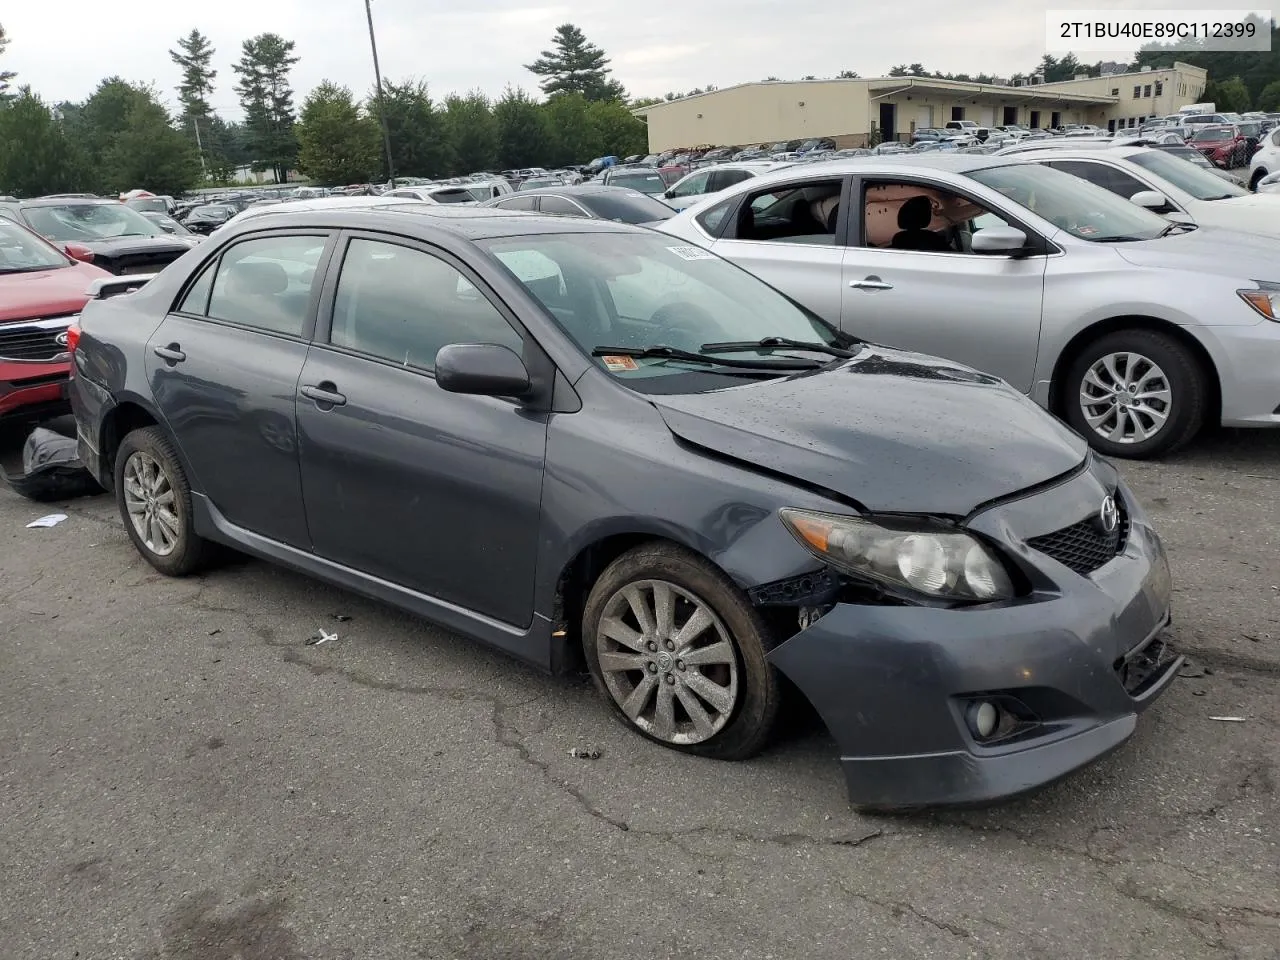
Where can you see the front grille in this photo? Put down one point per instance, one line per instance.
(1084, 546)
(31, 343)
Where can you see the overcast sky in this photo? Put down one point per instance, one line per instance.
(64, 47)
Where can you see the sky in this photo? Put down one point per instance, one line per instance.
(63, 48)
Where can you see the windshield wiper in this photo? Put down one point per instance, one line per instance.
(672, 353)
(768, 343)
(52, 266)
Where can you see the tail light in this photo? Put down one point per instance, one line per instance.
(73, 337)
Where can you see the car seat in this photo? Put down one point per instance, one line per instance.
(914, 217)
(255, 294)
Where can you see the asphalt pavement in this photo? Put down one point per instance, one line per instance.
(182, 777)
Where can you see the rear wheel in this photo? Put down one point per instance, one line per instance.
(679, 653)
(1136, 394)
(155, 503)
(1256, 179)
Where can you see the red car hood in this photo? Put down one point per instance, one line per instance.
(46, 293)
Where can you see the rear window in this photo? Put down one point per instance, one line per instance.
(627, 207)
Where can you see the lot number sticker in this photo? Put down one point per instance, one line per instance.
(692, 253)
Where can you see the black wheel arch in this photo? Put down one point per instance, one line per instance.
(125, 417)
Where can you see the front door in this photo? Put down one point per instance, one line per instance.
(911, 281)
(888, 122)
(224, 370)
(434, 491)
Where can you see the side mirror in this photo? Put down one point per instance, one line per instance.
(999, 240)
(669, 194)
(78, 252)
(481, 369)
(1151, 199)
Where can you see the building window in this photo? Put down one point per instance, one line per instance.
(1131, 121)
(1146, 91)
(1115, 91)
(1137, 91)
(1159, 87)
(957, 113)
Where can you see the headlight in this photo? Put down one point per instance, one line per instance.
(1265, 299)
(942, 564)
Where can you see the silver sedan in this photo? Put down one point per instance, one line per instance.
(1135, 330)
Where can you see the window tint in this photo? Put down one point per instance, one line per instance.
(196, 302)
(1109, 178)
(913, 216)
(266, 283)
(791, 213)
(518, 203)
(560, 206)
(723, 179)
(713, 219)
(403, 305)
(694, 186)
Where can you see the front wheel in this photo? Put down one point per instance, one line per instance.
(1256, 179)
(155, 503)
(679, 653)
(1136, 394)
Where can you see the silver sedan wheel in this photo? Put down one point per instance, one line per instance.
(668, 662)
(152, 504)
(1126, 398)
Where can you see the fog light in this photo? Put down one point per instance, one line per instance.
(983, 718)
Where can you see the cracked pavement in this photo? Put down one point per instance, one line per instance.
(183, 778)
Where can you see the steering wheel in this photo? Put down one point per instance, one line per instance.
(686, 319)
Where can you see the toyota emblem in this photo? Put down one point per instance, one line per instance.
(61, 339)
(1109, 514)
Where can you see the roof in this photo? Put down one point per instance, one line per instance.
(581, 190)
(63, 201)
(961, 163)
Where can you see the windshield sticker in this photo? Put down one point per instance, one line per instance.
(692, 253)
(620, 364)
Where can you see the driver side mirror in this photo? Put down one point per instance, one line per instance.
(1005, 240)
(481, 369)
(78, 252)
(1152, 200)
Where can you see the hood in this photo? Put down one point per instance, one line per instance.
(1256, 213)
(891, 430)
(1209, 249)
(48, 293)
(132, 246)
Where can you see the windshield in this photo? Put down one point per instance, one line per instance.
(89, 221)
(1212, 133)
(1084, 210)
(626, 207)
(644, 182)
(636, 290)
(21, 251)
(1196, 180)
(148, 205)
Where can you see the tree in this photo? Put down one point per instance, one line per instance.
(473, 132)
(103, 118)
(1269, 98)
(36, 156)
(149, 153)
(267, 98)
(338, 143)
(194, 57)
(1228, 96)
(523, 137)
(848, 75)
(419, 141)
(5, 75)
(1255, 67)
(573, 137)
(618, 131)
(576, 66)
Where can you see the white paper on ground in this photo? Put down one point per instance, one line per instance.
(52, 520)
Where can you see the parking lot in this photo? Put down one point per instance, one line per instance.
(187, 779)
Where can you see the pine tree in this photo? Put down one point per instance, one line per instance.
(267, 98)
(5, 75)
(194, 56)
(576, 66)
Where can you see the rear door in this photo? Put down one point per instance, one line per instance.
(224, 367)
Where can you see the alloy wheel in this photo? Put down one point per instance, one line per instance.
(1126, 398)
(151, 503)
(668, 662)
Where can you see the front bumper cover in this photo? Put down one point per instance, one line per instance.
(891, 682)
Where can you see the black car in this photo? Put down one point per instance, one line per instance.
(122, 240)
(588, 200)
(584, 442)
(209, 217)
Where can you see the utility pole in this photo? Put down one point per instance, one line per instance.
(382, 103)
(204, 169)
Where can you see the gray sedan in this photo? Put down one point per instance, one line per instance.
(1134, 329)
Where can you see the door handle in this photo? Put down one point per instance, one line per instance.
(171, 354)
(325, 395)
(871, 283)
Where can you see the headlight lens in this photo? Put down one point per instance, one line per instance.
(943, 564)
(1265, 298)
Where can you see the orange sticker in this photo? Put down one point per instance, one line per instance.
(619, 364)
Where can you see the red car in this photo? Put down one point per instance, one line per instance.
(42, 290)
(1226, 147)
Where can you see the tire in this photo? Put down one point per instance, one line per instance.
(139, 452)
(730, 649)
(1256, 179)
(1184, 404)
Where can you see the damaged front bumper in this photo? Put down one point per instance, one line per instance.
(1071, 666)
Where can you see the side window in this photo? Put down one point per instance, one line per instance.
(921, 217)
(403, 305)
(696, 185)
(518, 203)
(266, 283)
(561, 206)
(1275, 140)
(723, 179)
(196, 302)
(1109, 178)
(713, 219)
(791, 213)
